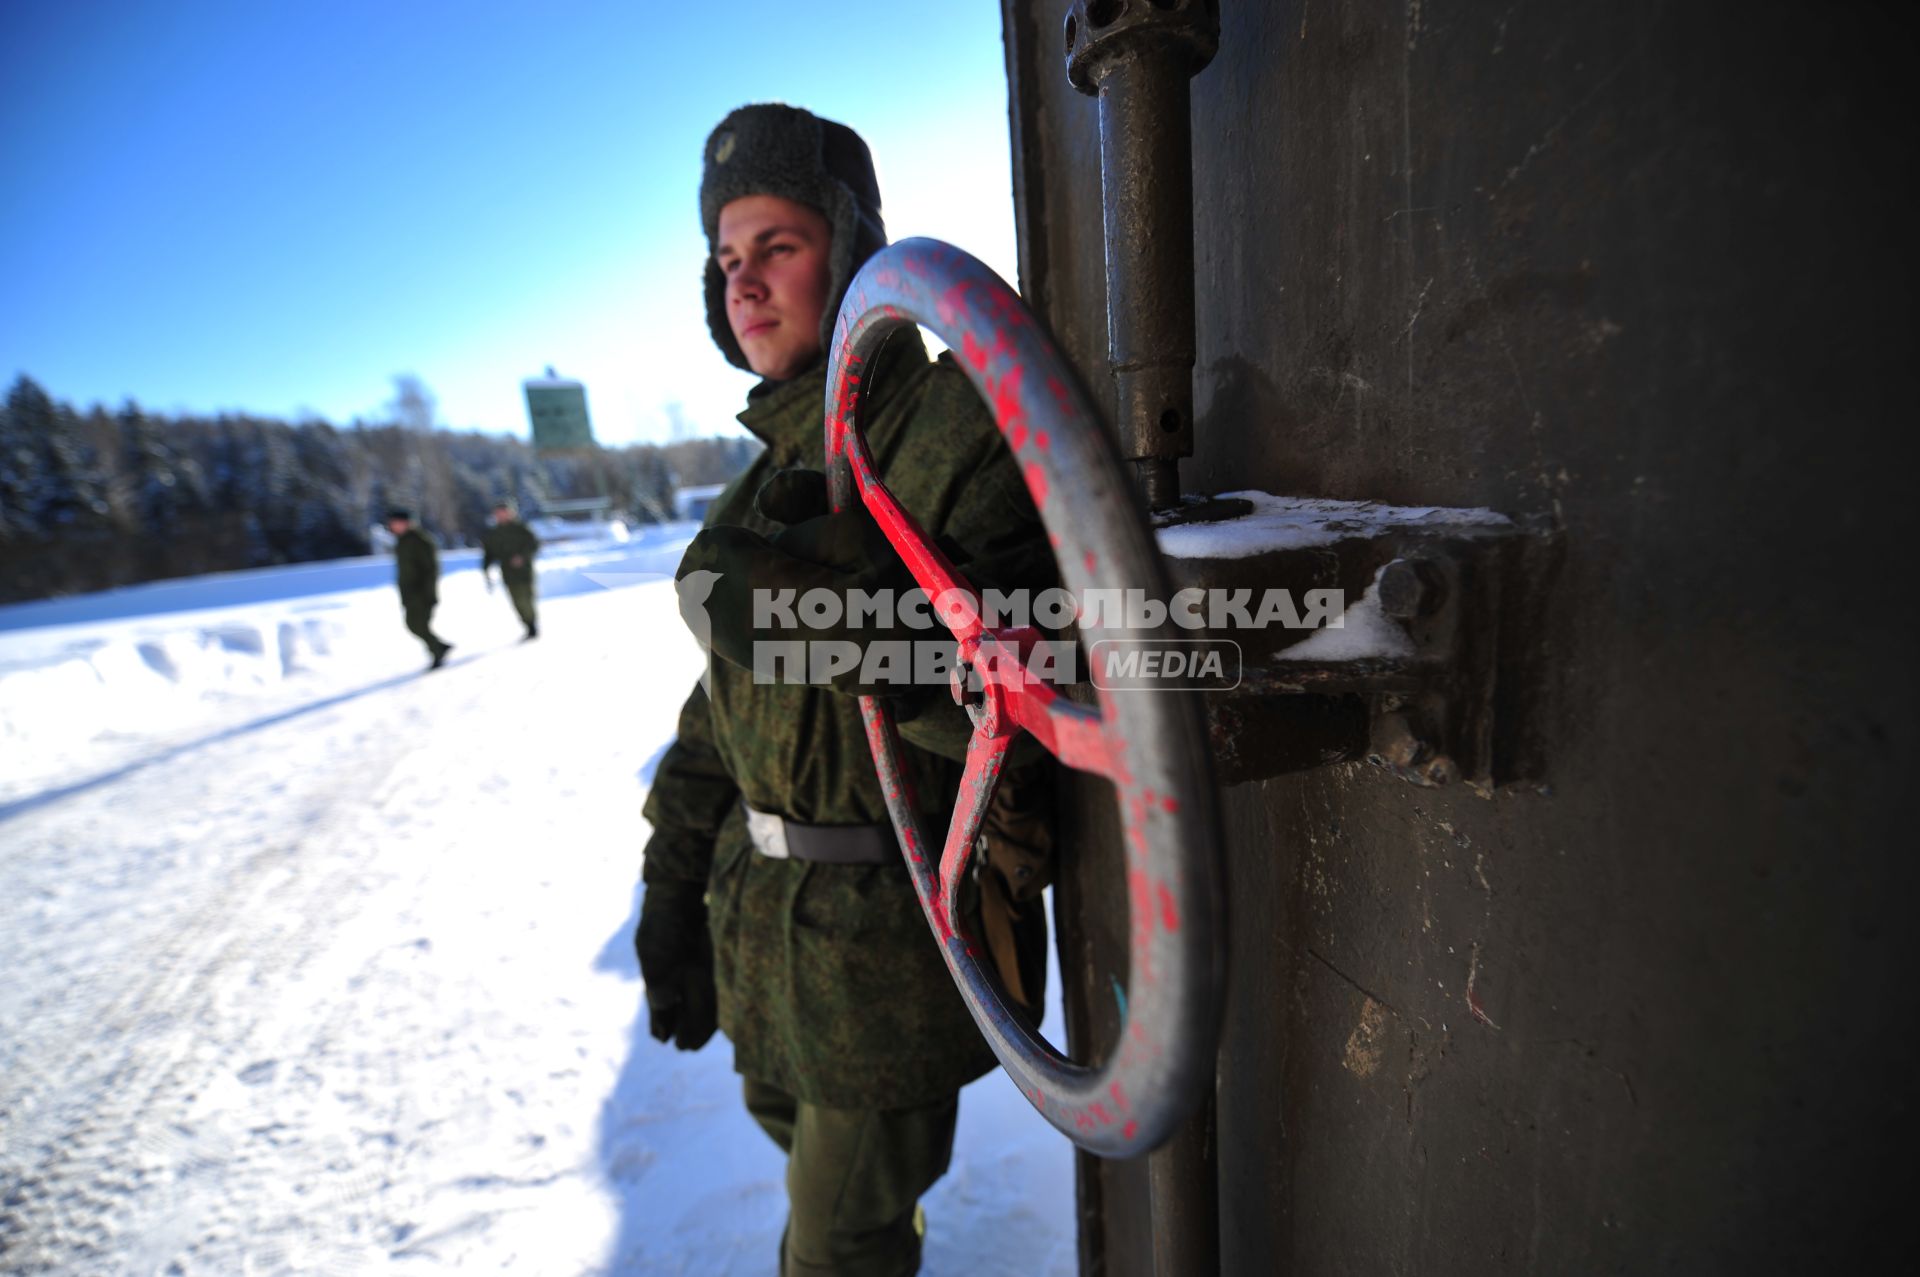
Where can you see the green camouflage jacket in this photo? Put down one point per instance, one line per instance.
(503, 543)
(831, 985)
(416, 566)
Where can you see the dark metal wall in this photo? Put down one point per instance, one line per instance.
(1639, 268)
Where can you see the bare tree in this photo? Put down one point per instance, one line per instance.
(413, 406)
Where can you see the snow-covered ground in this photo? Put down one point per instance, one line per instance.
(310, 963)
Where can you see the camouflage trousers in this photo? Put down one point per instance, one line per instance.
(854, 1180)
(521, 592)
(419, 617)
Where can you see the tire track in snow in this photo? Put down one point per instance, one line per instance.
(95, 1086)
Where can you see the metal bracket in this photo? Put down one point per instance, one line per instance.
(1431, 675)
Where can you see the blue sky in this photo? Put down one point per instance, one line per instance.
(277, 207)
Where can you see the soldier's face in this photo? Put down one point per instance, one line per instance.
(501, 514)
(773, 253)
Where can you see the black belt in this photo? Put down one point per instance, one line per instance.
(782, 839)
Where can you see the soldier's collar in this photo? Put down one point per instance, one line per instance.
(791, 415)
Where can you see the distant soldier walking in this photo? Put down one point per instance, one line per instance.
(512, 545)
(417, 572)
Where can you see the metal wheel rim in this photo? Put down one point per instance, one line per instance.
(1155, 741)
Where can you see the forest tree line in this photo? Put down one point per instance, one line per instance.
(98, 498)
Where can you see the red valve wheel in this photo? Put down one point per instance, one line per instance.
(1151, 744)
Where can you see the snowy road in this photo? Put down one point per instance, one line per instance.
(330, 972)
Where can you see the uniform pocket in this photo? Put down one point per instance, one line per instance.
(857, 900)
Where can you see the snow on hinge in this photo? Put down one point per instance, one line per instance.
(1363, 632)
(1295, 523)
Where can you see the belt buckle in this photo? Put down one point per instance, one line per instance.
(769, 834)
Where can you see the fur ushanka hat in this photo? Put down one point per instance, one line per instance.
(774, 149)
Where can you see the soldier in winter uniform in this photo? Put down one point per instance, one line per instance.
(416, 565)
(777, 901)
(512, 545)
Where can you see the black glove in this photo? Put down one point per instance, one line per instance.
(676, 961)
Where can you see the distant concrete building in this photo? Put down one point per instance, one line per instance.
(582, 520)
(691, 502)
(557, 408)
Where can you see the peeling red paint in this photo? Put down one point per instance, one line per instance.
(1007, 408)
(1037, 484)
(973, 351)
(1169, 909)
(1140, 910)
(846, 400)
(948, 307)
